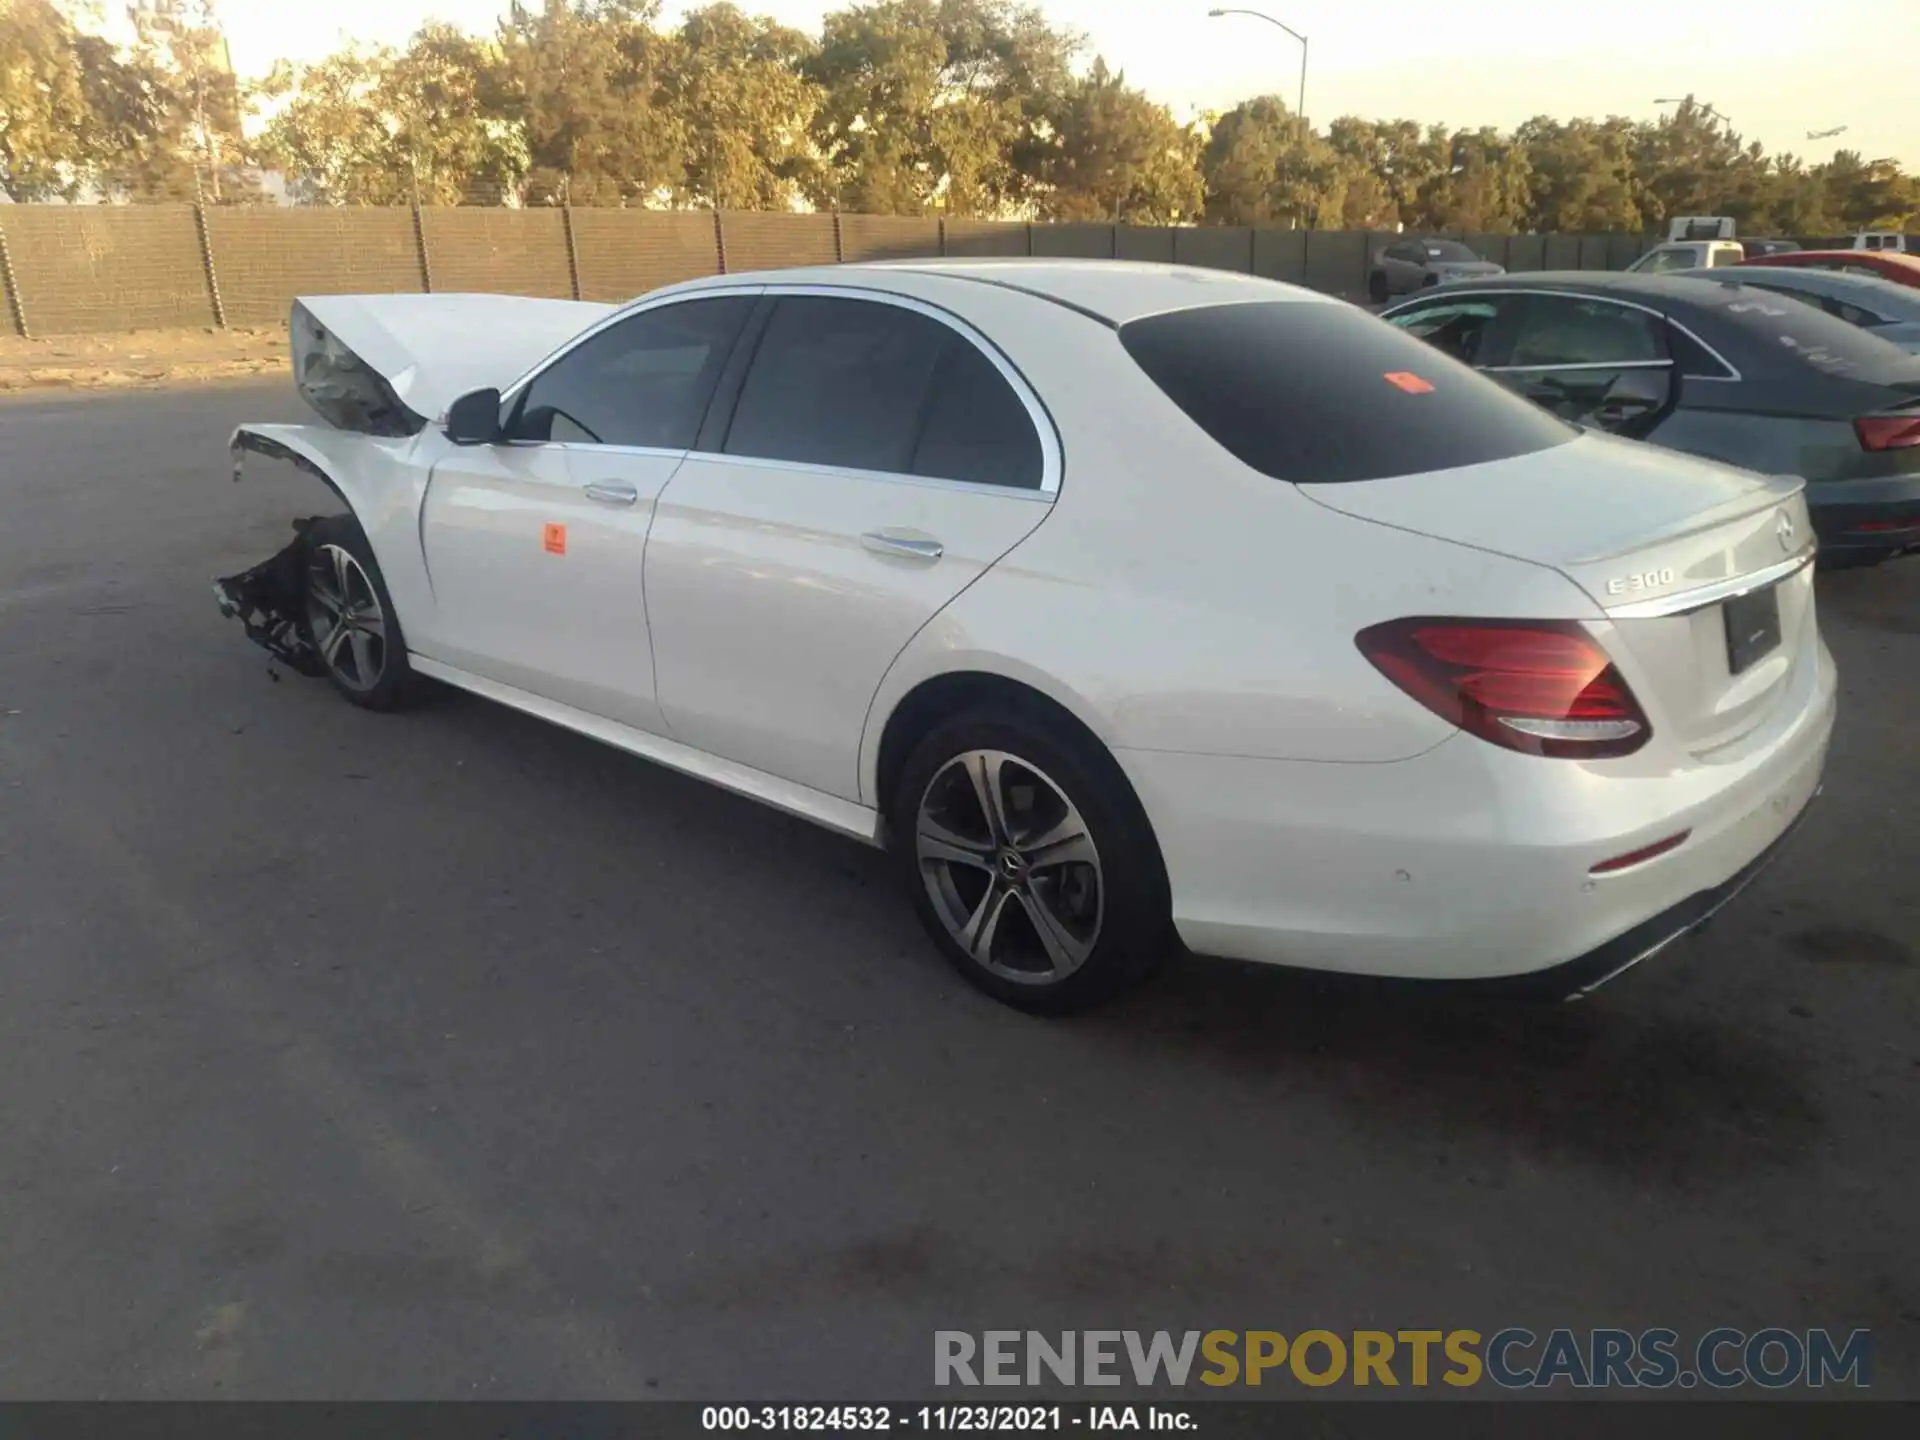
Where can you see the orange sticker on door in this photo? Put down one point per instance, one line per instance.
(1408, 381)
(553, 538)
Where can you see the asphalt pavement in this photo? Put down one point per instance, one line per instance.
(447, 1054)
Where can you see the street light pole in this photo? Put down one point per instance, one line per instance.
(1300, 110)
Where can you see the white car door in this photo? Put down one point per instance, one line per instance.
(535, 545)
(878, 458)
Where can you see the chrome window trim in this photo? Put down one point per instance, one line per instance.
(1701, 596)
(1052, 457)
(1733, 371)
(932, 482)
(1583, 365)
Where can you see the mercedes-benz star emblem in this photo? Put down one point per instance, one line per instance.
(1783, 528)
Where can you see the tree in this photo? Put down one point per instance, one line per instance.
(46, 144)
(328, 139)
(180, 109)
(1486, 185)
(443, 103)
(744, 105)
(935, 103)
(1868, 195)
(1118, 156)
(1261, 166)
(584, 79)
(1584, 176)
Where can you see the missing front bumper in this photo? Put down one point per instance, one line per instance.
(269, 601)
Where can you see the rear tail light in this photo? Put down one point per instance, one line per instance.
(1542, 687)
(1877, 527)
(1888, 432)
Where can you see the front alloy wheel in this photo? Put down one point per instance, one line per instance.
(1010, 867)
(349, 626)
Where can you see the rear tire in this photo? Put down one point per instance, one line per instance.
(1029, 861)
(350, 617)
(1377, 288)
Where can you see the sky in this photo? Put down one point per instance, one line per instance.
(1457, 62)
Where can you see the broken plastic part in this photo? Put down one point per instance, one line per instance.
(269, 601)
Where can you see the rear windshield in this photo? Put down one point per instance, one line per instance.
(1808, 336)
(1321, 393)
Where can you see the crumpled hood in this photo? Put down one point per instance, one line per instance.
(428, 350)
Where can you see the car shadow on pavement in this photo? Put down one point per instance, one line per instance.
(1666, 1098)
(1623, 1081)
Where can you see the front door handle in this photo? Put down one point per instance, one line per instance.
(611, 494)
(917, 547)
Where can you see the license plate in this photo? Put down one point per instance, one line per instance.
(1753, 628)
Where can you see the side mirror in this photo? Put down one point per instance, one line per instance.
(1633, 395)
(474, 419)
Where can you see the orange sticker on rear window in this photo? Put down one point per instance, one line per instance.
(1408, 381)
(554, 538)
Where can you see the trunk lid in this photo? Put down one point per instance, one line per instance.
(389, 364)
(1663, 543)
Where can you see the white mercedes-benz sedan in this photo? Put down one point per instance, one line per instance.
(1133, 606)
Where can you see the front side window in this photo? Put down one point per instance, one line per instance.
(862, 385)
(1457, 327)
(1319, 393)
(644, 381)
(1567, 330)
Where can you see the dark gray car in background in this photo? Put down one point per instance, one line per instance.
(1891, 312)
(1713, 368)
(1414, 264)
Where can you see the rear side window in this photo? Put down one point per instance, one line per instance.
(1321, 393)
(862, 385)
(975, 427)
(837, 382)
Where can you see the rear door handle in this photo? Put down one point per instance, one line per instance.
(915, 547)
(611, 494)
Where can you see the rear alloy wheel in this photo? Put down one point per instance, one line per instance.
(1010, 868)
(350, 617)
(1034, 876)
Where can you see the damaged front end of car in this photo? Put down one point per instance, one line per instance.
(270, 602)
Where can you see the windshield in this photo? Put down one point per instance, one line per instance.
(1322, 393)
(1449, 250)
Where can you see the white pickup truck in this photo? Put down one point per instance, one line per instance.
(1689, 255)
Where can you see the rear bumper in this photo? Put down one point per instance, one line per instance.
(1862, 521)
(1586, 973)
(1471, 863)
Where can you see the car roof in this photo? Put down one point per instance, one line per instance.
(1866, 289)
(1635, 286)
(1112, 291)
(1895, 258)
